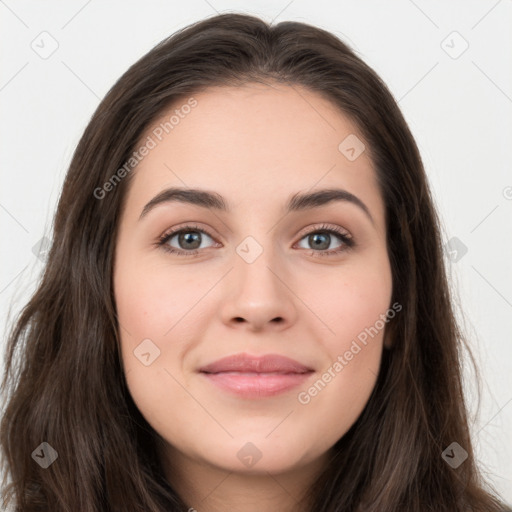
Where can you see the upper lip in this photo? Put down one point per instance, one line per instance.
(269, 363)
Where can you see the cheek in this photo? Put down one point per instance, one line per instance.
(150, 302)
(160, 304)
(352, 303)
(353, 308)
(153, 307)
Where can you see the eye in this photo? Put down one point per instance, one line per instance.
(189, 240)
(321, 238)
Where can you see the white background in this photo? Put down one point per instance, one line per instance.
(459, 110)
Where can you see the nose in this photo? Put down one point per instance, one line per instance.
(259, 295)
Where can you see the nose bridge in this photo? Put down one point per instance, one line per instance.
(257, 263)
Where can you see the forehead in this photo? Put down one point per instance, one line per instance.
(256, 141)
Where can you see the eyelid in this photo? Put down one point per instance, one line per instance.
(323, 226)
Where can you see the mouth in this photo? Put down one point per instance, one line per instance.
(256, 377)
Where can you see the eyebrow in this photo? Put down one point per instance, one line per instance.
(213, 200)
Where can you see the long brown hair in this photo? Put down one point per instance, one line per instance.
(64, 378)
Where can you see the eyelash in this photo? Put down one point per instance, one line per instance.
(346, 239)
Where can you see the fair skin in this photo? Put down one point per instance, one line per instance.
(256, 146)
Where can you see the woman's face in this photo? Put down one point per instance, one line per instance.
(262, 279)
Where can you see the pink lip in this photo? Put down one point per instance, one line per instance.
(256, 377)
(270, 363)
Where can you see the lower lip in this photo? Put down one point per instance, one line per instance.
(256, 385)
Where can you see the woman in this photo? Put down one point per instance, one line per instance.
(301, 354)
